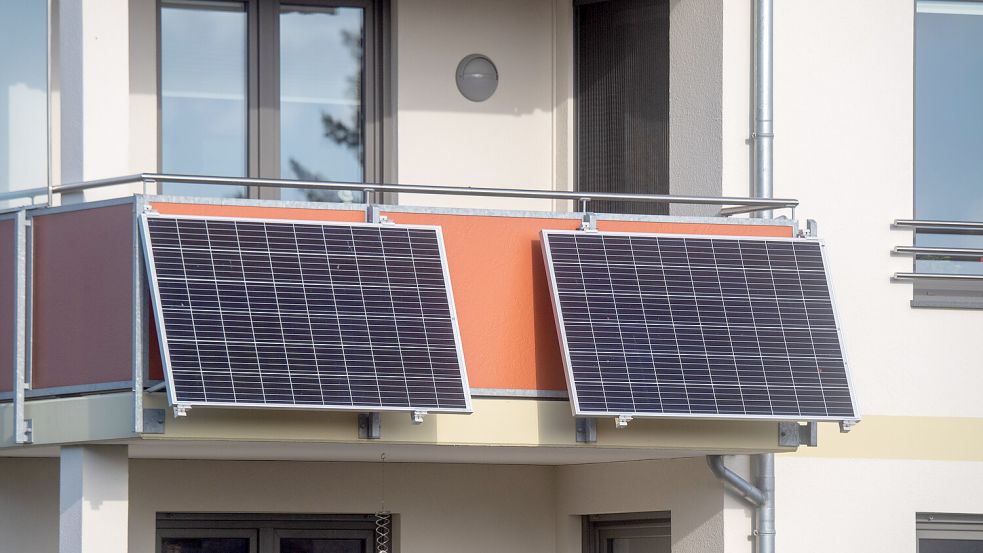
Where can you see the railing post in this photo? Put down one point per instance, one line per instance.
(23, 432)
(138, 298)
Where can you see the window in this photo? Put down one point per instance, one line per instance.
(235, 533)
(23, 95)
(949, 129)
(272, 89)
(946, 533)
(622, 100)
(627, 533)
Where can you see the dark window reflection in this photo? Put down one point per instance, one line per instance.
(205, 545)
(950, 546)
(308, 545)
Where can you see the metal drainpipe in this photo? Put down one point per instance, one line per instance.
(762, 493)
(762, 136)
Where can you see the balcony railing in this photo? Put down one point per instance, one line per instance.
(941, 253)
(729, 205)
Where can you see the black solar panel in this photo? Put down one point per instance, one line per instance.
(301, 314)
(654, 325)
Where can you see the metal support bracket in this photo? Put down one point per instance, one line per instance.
(811, 230)
(373, 214)
(181, 410)
(153, 421)
(23, 429)
(369, 426)
(847, 425)
(589, 222)
(586, 430)
(416, 417)
(793, 434)
(622, 421)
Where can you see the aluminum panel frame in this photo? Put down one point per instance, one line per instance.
(162, 331)
(565, 349)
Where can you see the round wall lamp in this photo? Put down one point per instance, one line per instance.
(477, 77)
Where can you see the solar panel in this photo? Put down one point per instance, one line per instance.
(272, 313)
(702, 327)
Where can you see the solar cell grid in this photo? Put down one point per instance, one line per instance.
(300, 314)
(697, 326)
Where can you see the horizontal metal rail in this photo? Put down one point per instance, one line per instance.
(936, 276)
(741, 205)
(23, 194)
(925, 250)
(940, 225)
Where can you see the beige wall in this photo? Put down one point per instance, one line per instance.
(441, 507)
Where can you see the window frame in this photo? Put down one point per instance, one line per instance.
(264, 529)
(263, 88)
(931, 293)
(948, 527)
(596, 527)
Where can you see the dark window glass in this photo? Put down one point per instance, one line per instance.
(321, 545)
(950, 546)
(204, 545)
(949, 129)
(622, 88)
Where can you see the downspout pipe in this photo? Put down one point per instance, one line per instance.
(762, 134)
(761, 495)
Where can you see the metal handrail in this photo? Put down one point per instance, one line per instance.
(919, 250)
(739, 205)
(939, 227)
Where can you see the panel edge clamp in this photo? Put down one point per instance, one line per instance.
(622, 421)
(181, 410)
(847, 425)
(589, 222)
(373, 214)
(370, 426)
(416, 417)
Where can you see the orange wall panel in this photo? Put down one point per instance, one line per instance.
(297, 213)
(6, 305)
(501, 292)
(82, 295)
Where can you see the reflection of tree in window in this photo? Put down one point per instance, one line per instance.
(347, 134)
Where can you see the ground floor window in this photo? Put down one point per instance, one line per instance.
(627, 533)
(238, 533)
(949, 533)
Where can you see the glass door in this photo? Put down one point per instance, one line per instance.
(207, 541)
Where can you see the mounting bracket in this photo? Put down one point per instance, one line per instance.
(181, 410)
(153, 421)
(589, 222)
(793, 434)
(847, 425)
(622, 421)
(416, 417)
(373, 214)
(586, 430)
(370, 426)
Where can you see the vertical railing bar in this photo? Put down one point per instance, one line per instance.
(21, 434)
(139, 322)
